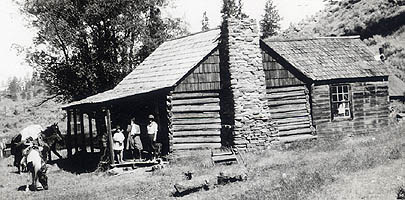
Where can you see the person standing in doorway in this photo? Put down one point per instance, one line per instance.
(152, 136)
(134, 139)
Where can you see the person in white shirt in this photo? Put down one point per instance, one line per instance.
(118, 144)
(134, 139)
(152, 136)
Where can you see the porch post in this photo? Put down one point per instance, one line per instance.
(110, 138)
(83, 144)
(69, 134)
(75, 129)
(91, 133)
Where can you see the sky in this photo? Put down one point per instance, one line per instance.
(16, 34)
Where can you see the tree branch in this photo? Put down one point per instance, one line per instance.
(46, 99)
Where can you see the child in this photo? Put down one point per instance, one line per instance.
(118, 144)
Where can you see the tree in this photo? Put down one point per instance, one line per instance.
(92, 44)
(270, 23)
(205, 22)
(232, 9)
(14, 88)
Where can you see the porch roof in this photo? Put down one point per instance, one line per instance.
(164, 68)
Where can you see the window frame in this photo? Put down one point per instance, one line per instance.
(339, 100)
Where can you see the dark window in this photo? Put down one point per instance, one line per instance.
(341, 101)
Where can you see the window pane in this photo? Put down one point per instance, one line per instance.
(334, 97)
(347, 113)
(340, 89)
(345, 89)
(340, 97)
(333, 89)
(346, 97)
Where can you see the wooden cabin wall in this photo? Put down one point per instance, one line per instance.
(276, 74)
(195, 109)
(288, 99)
(290, 108)
(370, 109)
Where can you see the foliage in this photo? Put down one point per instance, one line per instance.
(205, 22)
(379, 23)
(270, 23)
(86, 47)
(14, 87)
(231, 8)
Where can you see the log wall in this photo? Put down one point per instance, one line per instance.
(290, 108)
(196, 121)
(370, 109)
(195, 110)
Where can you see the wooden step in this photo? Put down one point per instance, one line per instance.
(295, 132)
(196, 146)
(200, 139)
(224, 158)
(197, 133)
(295, 138)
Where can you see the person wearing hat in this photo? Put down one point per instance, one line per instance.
(152, 129)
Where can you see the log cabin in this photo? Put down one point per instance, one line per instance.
(330, 85)
(227, 87)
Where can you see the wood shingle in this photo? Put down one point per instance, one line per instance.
(329, 58)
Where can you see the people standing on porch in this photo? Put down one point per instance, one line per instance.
(134, 140)
(118, 144)
(152, 129)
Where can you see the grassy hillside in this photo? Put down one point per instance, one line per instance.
(380, 23)
(17, 114)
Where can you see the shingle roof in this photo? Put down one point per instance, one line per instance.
(329, 58)
(396, 86)
(163, 68)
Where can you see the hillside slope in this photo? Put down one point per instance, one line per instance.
(380, 23)
(16, 115)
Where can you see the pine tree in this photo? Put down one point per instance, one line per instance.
(205, 22)
(270, 23)
(232, 9)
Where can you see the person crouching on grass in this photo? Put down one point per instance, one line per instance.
(118, 144)
(152, 136)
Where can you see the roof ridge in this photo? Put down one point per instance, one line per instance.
(191, 34)
(307, 38)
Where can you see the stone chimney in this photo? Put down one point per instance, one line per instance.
(244, 84)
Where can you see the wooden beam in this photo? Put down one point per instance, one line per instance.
(75, 129)
(110, 137)
(69, 134)
(83, 144)
(91, 134)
